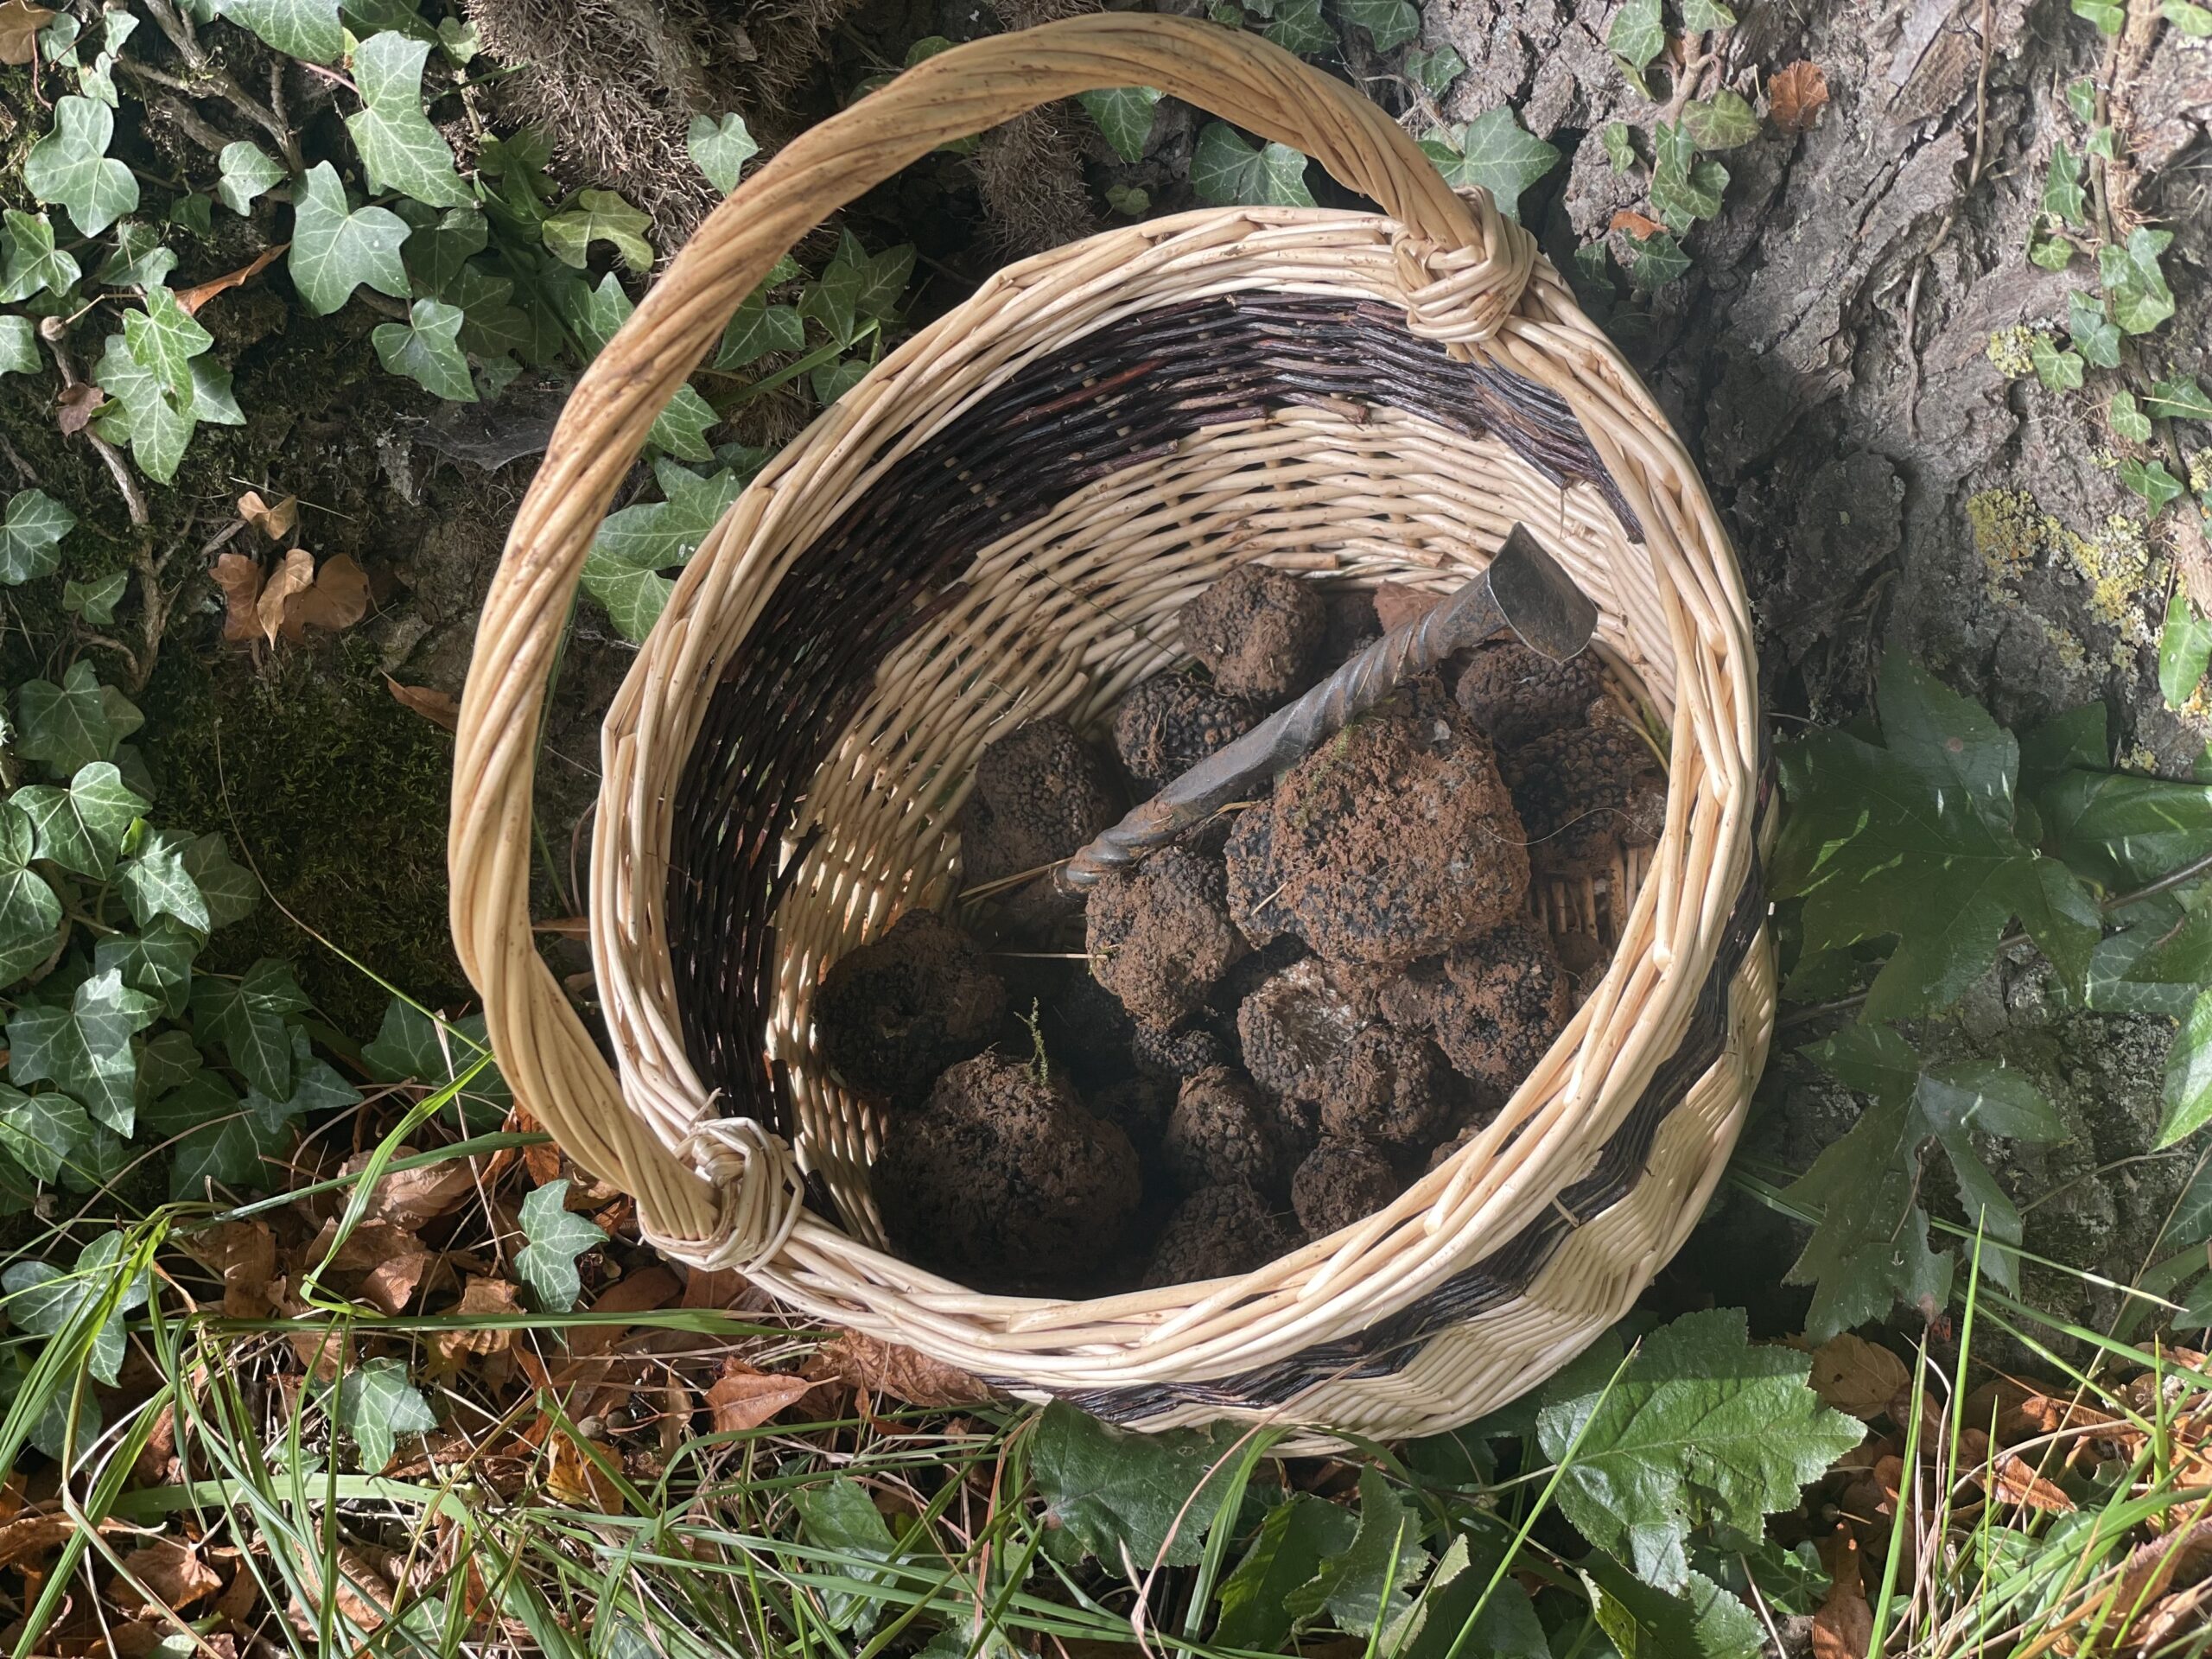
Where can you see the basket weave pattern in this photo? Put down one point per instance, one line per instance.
(1001, 521)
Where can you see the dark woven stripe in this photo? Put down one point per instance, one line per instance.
(898, 553)
(1391, 1344)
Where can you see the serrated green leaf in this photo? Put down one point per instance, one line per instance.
(600, 216)
(45, 1300)
(557, 1236)
(400, 150)
(2109, 16)
(1468, 1607)
(248, 172)
(1285, 1553)
(41, 1132)
(2133, 281)
(1369, 1584)
(248, 1016)
(19, 346)
(229, 890)
(1699, 1621)
(81, 827)
(1435, 68)
(1494, 152)
(29, 913)
(1701, 1426)
(298, 29)
(2177, 399)
(2150, 480)
(1227, 171)
(720, 148)
(34, 265)
(2062, 187)
(1153, 1496)
(758, 328)
(376, 1405)
(30, 535)
(1299, 27)
(71, 167)
(1659, 260)
(1389, 23)
(2091, 331)
(1123, 115)
(1721, 122)
(68, 727)
(1637, 34)
(2058, 371)
(425, 349)
(336, 250)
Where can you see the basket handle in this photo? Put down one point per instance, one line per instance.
(1463, 266)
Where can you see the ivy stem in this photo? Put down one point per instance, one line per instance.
(134, 498)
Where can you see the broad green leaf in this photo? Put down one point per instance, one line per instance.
(81, 827)
(336, 250)
(156, 959)
(424, 349)
(1701, 1427)
(71, 167)
(30, 535)
(600, 216)
(1299, 27)
(41, 1132)
(1445, 1623)
(1721, 122)
(68, 727)
(1294, 1538)
(2183, 650)
(400, 150)
(248, 1016)
(218, 1144)
(1123, 115)
(155, 882)
(248, 173)
(837, 1515)
(1637, 34)
(2058, 371)
(2188, 17)
(1659, 260)
(2186, 1101)
(720, 148)
(1492, 152)
(1371, 1582)
(83, 1046)
(1391, 23)
(758, 328)
(2092, 331)
(1152, 1495)
(1870, 1249)
(29, 913)
(2150, 480)
(34, 265)
(1699, 1621)
(163, 340)
(2122, 831)
(376, 1405)
(1435, 68)
(2062, 187)
(230, 891)
(1960, 1098)
(1702, 15)
(2133, 281)
(45, 1300)
(1228, 172)
(19, 346)
(557, 1236)
(298, 29)
(2178, 399)
(634, 545)
(2109, 16)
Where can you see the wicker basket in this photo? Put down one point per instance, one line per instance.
(1001, 521)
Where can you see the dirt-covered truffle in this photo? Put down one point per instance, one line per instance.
(1184, 1051)
(1170, 722)
(1441, 1153)
(1040, 792)
(1585, 791)
(892, 1014)
(1516, 693)
(1347, 623)
(1158, 935)
(1221, 1131)
(1344, 1180)
(1138, 1104)
(1003, 1178)
(1217, 1231)
(1393, 1086)
(1258, 630)
(1295, 1030)
(1394, 840)
(1504, 997)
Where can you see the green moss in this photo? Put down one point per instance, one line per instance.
(336, 794)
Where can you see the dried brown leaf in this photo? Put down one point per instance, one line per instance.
(28, 1537)
(436, 707)
(1843, 1627)
(1858, 1377)
(1642, 226)
(886, 1368)
(393, 1282)
(244, 1254)
(239, 578)
(294, 576)
(1795, 95)
(2017, 1483)
(483, 1297)
(174, 1574)
(573, 1477)
(335, 600)
(74, 409)
(275, 523)
(193, 298)
(408, 1197)
(19, 23)
(742, 1398)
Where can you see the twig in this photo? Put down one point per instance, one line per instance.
(134, 498)
(209, 81)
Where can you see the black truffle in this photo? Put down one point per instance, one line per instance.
(1170, 722)
(1504, 997)
(1585, 792)
(1221, 1132)
(1158, 935)
(1393, 1086)
(1516, 693)
(1342, 1180)
(1297, 1029)
(892, 1014)
(1258, 630)
(1216, 1232)
(1040, 792)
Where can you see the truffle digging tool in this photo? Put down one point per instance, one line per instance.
(1522, 590)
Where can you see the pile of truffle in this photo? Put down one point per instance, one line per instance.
(1264, 1031)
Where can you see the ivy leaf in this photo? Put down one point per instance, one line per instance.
(336, 250)
(599, 216)
(1637, 34)
(1701, 1426)
(2152, 482)
(2178, 399)
(95, 600)
(41, 1132)
(1702, 15)
(400, 150)
(1916, 840)
(229, 891)
(142, 410)
(547, 1264)
(248, 1016)
(1123, 115)
(1113, 1489)
(622, 571)
(1620, 146)
(30, 535)
(2188, 17)
(2127, 420)
(721, 149)
(218, 1142)
(45, 1300)
(2092, 331)
(81, 828)
(1293, 1539)
(681, 427)
(29, 913)
(34, 264)
(840, 1517)
(2186, 1098)
(71, 167)
(1493, 151)
(1684, 189)
(298, 29)
(2062, 187)
(69, 726)
(157, 960)
(376, 1405)
(18, 345)
(1721, 122)
(2109, 16)
(2058, 371)
(1659, 260)
(163, 340)
(1436, 68)
(424, 349)
(1391, 23)
(1227, 171)
(758, 328)
(139, 259)
(248, 172)
(1299, 27)
(83, 1046)
(2133, 281)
